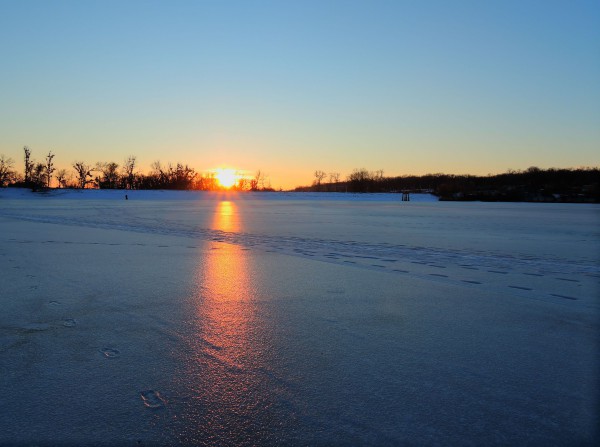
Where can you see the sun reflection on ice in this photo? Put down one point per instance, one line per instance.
(226, 217)
(228, 307)
(230, 346)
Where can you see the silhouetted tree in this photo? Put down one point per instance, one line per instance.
(7, 174)
(84, 173)
(180, 177)
(359, 180)
(49, 168)
(334, 179)
(242, 184)
(129, 171)
(206, 182)
(38, 177)
(62, 178)
(319, 176)
(258, 182)
(28, 165)
(157, 177)
(109, 175)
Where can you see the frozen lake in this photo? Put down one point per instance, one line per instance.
(302, 319)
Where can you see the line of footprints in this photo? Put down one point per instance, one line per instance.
(151, 398)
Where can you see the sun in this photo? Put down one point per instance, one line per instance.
(226, 177)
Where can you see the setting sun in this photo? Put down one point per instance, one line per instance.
(226, 177)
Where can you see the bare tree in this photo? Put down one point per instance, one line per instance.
(319, 176)
(62, 178)
(128, 170)
(206, 182)
(360, 175)
(181, 176)
(334, 177)
(7, 175)
(360, 180)
(242, 184)
(110, 174)
(156, 167)
(28, 164)
(38, 176)
(83, 171)
(157, 173)
(49, 168)
(258, 182)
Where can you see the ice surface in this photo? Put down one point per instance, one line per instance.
(203, 318)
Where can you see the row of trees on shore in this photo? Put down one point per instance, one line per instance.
(111, 175)
(533, 184)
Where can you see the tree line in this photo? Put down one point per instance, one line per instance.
(532, 184)
(110, 175)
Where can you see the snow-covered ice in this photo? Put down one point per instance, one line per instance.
(291, 318)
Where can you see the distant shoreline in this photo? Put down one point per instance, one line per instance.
(185, 194)
(580, 185)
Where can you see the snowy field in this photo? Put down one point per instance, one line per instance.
(296, 319)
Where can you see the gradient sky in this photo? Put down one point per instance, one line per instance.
(288, 87)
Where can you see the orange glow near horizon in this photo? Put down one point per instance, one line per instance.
(226, 177)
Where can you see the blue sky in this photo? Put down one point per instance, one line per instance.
(290, 87)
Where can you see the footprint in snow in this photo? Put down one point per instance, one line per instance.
(152, 399)
(110, 353)
(69, 322)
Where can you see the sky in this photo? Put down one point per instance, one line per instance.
(290, 87)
